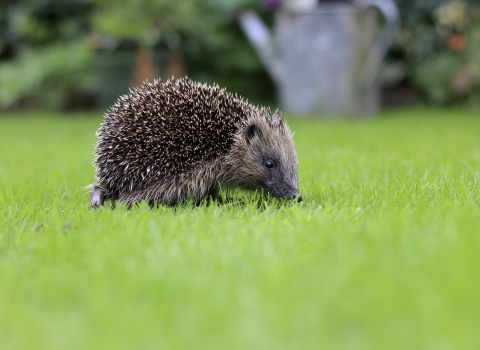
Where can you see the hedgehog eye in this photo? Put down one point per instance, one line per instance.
(269, 163)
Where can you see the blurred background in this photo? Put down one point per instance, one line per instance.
(82, 54)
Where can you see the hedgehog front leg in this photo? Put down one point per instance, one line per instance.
(213, 195)
(208, 197)
(97, 197)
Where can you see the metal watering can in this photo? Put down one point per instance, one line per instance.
(325, 60)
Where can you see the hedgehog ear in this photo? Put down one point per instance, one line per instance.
(252, 130)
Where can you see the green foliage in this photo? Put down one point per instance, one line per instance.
(185, 22)
(438, 40)
(49, 58)
(149, 22)
(205, 31)
(43, 22)
(382, 254)
(46, 75)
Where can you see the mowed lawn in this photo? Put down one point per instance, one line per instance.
(384, 252)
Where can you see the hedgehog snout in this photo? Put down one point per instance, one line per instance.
(283, 191)
(297, 196)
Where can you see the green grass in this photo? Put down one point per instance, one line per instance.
(384, 252)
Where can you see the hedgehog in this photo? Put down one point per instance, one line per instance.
(170, 142)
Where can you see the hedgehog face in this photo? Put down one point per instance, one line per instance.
(270, 161)
(278, 180)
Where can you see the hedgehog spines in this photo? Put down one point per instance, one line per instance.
(169, 141)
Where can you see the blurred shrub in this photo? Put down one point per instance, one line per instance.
(149, 22)
(47, 47)
(48, 60)
(204, 31)
(437, 49)
(46, 76)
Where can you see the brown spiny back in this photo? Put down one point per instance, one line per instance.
(166, 129)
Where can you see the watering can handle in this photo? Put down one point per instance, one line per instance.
(388, 9)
